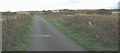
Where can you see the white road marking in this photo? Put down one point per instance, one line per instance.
(46, 35)
(41, 36)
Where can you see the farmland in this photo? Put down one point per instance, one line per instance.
(92, 30)
(95, 32)
(16, 31)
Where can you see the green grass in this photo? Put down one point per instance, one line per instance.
(16, 32)
(84, 40)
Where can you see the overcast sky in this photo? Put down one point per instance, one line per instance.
(26, 5)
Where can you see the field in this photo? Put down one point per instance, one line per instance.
(95, 32)
(16, 31)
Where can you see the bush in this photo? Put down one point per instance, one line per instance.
(102, 28)
(16, 30)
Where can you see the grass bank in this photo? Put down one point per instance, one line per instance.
(16, 31)
(80, 30)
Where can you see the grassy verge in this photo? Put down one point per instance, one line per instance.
(84, 39)
(16, 30)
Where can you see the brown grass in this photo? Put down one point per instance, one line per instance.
(101, 27)
(16, 29)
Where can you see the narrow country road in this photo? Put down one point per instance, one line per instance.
(46, 37)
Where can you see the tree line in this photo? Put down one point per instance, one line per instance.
(71, 12)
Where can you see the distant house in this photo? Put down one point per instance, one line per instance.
(114, 12)
(55, 11)
(22, 12)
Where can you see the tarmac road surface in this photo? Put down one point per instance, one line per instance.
(46, 37)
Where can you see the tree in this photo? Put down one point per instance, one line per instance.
(103, 11)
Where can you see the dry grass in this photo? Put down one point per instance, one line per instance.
(103, 27)
(16, 29)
